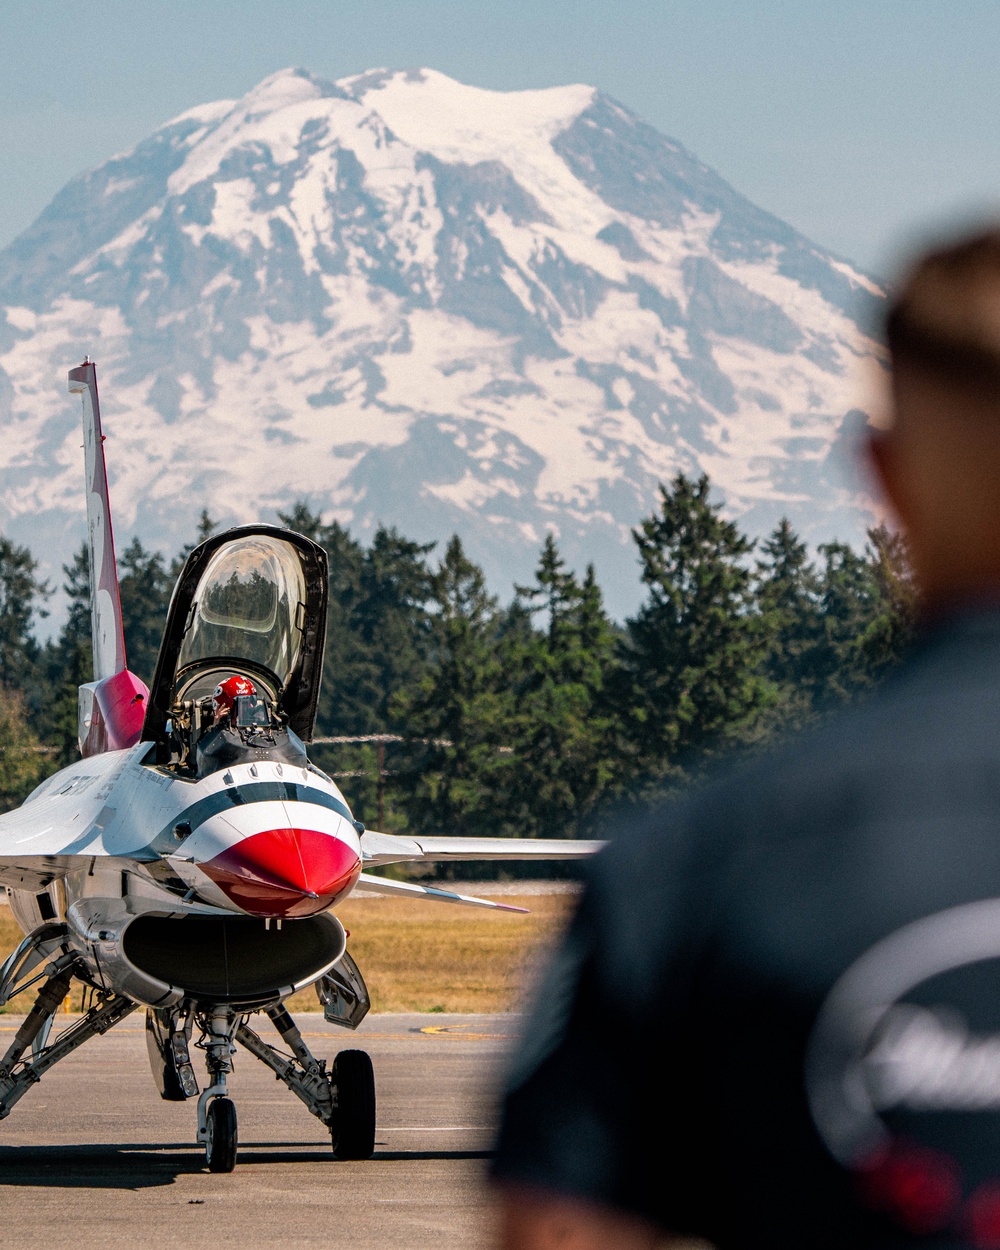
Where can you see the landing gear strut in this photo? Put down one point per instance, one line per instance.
(17, 1073)
(216, 1113)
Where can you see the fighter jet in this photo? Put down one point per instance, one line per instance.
(191, 862)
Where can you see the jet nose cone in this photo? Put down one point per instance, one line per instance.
(285, 872)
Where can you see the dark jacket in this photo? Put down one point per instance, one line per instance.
(775, 1019)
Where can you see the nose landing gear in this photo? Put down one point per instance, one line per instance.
(216, 1112)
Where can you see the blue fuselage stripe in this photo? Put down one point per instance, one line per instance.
(237, 796)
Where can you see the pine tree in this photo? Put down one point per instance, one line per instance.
(339, 709)
(598, 637)
(694, 649)
(145, 587)
(23, 762)
(378, 627)
(527, 720)
(20, 593)
(788, 596)
(68, 663)
(561, 730)
(392, 626)
(890, 634)
(849, 599)
(455, 714)
(340, 712)
(378, 631)
(205, 529)
(555, 591)
(302, 520)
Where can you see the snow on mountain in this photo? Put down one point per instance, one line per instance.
(418, 302)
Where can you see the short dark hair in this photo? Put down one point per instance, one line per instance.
(946, 315)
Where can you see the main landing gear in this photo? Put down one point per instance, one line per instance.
(343, 1098)
(353, 1125)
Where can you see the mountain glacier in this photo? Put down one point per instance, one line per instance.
(426, 304)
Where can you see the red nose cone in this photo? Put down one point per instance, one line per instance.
(285, 872)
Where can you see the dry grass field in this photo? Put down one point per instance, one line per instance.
(424, 956)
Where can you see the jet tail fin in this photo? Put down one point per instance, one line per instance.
(113, 705)
(105, 602)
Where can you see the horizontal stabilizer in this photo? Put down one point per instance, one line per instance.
(368, 884)
(389, 848)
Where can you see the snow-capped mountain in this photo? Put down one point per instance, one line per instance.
(418, 302)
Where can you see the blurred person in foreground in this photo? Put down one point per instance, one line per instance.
(775, 1019)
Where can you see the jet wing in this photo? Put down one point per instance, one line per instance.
(85, 812)
(54, 833)
(36, 847)
(388, 848)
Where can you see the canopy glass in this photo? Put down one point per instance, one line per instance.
(249, 605)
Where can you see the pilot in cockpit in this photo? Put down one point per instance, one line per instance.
(226, 694)
(242, 722)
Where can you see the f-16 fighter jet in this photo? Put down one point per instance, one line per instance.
(191, 862)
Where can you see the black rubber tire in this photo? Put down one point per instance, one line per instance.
(222, 1143)
(354, 1124)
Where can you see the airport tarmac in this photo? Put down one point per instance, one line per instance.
(92, 1157)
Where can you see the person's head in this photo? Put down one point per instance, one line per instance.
(939, 459)
(226, 694)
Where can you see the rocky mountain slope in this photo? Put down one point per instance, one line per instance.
(423, 303)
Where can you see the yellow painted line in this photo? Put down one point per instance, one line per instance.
(454, 1031)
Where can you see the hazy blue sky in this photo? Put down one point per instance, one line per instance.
(858, 122)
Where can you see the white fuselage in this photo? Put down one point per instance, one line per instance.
(130, 838)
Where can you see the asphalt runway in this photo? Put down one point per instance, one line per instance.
(92, 1157)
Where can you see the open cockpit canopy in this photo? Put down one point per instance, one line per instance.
(251, 601)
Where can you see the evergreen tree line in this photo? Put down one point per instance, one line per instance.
(535, 718)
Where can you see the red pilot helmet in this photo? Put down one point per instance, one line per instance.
(226, 693)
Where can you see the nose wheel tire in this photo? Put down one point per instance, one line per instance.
(221, 1141)
(354, 1124)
